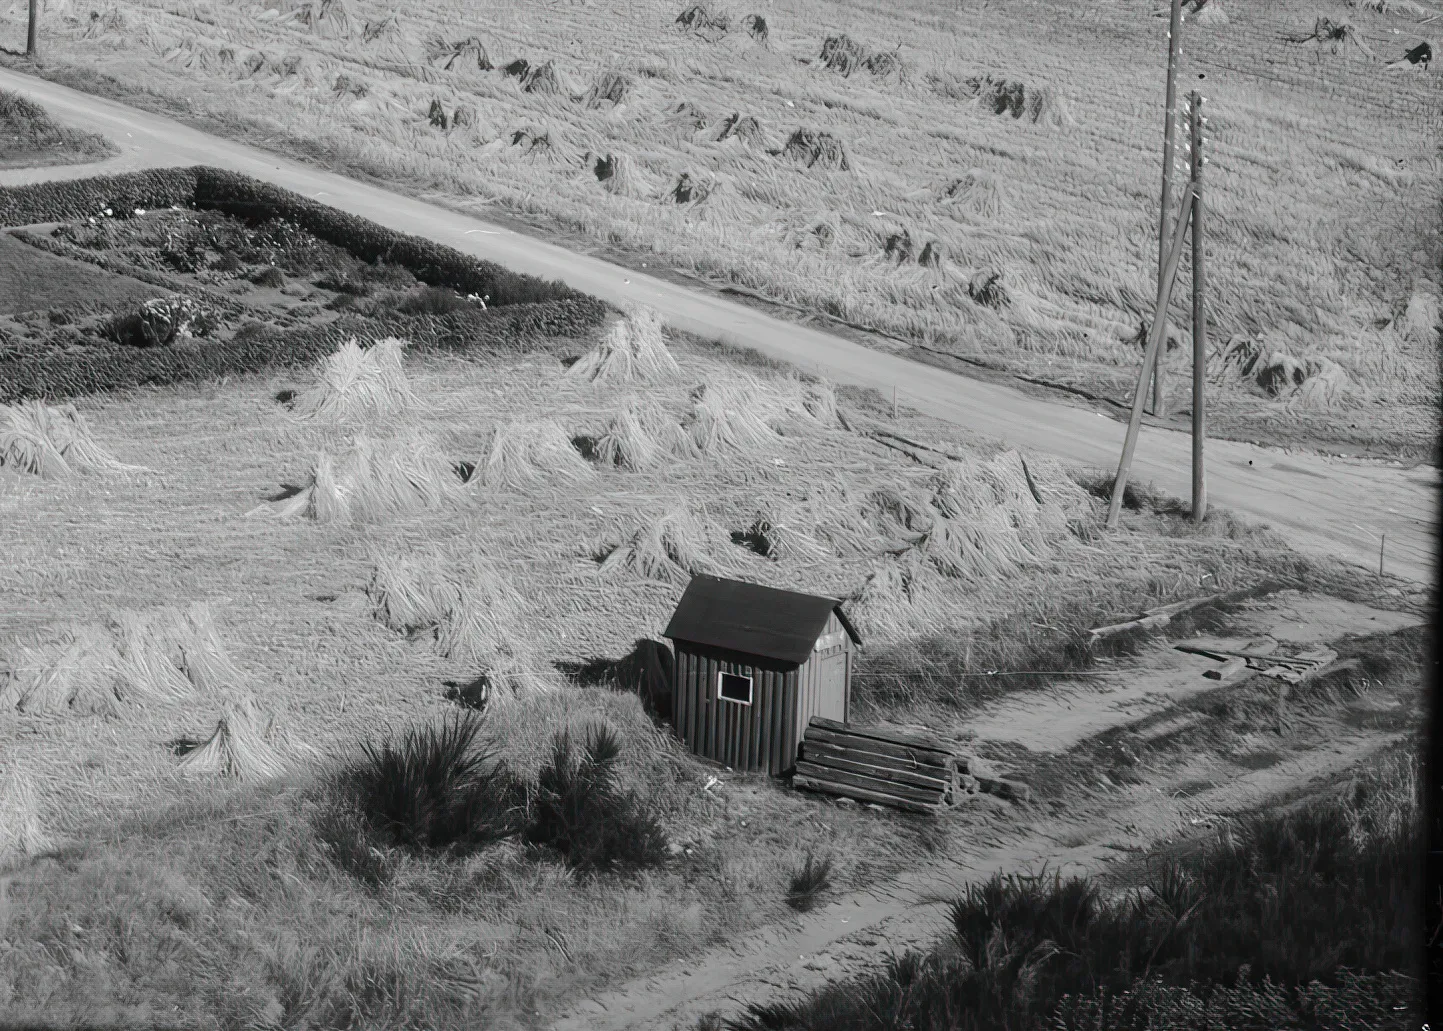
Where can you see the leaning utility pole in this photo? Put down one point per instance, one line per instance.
(30, 49)
(1199, 315)
(1169, 140)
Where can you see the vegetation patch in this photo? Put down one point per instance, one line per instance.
(1279, 922)
(30, 138)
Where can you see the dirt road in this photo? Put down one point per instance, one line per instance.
(1333, 506)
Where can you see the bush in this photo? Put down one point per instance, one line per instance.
(160, 322)
(581, 813)
(434, 790)
(270, 277)
(80, 198)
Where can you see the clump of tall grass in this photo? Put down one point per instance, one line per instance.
(433, 788)
(438, 789)
(808, 882)
(580, 810)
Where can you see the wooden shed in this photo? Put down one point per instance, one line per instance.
(753, 665)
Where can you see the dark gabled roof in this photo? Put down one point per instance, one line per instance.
(750, 618)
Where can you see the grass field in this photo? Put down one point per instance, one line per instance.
(184, 898)
(681, 146)
(29, 138)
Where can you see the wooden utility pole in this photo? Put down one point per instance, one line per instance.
(1199, 317)
(1154, 338)
(1169, 142)
(30, 46)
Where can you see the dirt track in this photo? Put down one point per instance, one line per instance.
(1334, 506)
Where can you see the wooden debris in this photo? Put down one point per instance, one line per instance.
(1163, 614)
(913, 772)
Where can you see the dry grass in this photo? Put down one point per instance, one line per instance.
(373, 481)
(358, 383)
(631, 351)
(1292, 136)
(671, 548)
(53, 443)
(158, 655)
(21, 832)
(236, 749)
(529, 454)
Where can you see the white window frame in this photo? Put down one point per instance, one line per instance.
(751, 687)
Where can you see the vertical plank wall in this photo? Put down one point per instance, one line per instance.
(765, 734)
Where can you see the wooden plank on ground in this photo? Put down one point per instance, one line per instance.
(923, 742)
(863, 795)
(917, 758)
(927, 796)
(849, 764)
(860, 752)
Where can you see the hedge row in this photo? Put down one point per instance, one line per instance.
(80, 198)
(242, 196)
(61, 376)
(430, 262)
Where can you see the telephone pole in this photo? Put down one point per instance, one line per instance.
(1164, 233)
(30, 47)
(1199, 316)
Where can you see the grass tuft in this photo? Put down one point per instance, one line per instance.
(809, 882)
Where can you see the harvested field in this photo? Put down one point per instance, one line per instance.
(1296, 131)
(338, 632)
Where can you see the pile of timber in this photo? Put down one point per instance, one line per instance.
(885, 767)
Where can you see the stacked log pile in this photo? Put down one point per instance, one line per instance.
(884, 767)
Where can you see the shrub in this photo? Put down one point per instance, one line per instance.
(270, 277)
(520, 329)
(580, 811)
(161, 321)
(434, 790)
(808, 883)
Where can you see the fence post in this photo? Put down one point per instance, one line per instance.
(1169, 144)
(33, 32)
(1199, 319)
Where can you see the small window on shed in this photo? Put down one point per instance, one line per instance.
(732, 687)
